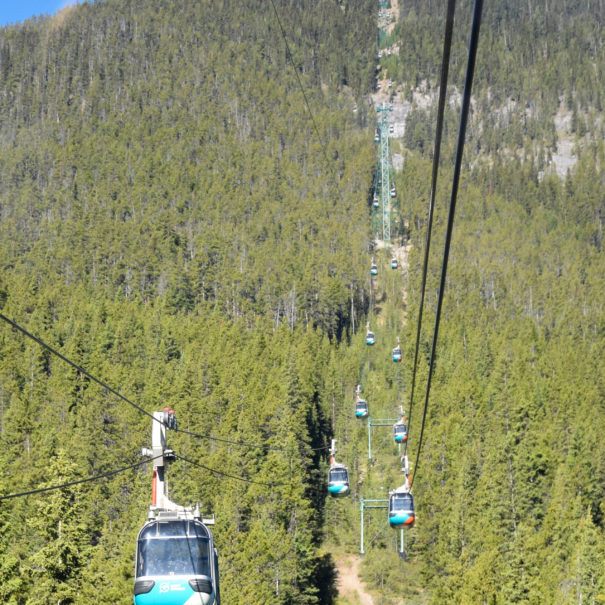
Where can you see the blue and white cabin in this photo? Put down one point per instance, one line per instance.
(176, 562)
(401, 509)
(361, 408)
(400, 432)
(338, 480)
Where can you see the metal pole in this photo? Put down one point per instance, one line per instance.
(361, 549)
(384, 174)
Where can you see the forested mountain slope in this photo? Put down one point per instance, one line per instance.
(536, 60)
(511, 478)
(170, 146)
(172, 220)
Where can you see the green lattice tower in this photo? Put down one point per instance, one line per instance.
(384, 171)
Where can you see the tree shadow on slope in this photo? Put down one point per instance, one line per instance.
(324, 578)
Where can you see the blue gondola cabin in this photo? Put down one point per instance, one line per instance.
(176, 563)
(400, 432)
(338, 480)
(401, 509)
(361, 408)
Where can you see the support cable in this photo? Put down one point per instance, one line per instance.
(466, 99)
(76, 366)
(445, 63)
(212, 470)
(104, 385)
(243, 444)
(304, 94)
(41, 490)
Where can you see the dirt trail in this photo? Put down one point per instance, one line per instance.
(349, 585)
(395, 15)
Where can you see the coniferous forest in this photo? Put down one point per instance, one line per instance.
(185, 203)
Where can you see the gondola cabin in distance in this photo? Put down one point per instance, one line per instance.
(400, 429)
(401, 508)
(338, 475)
(361, 408)
(397, 353)
(400, 432)
(361, 405)
(338, 480)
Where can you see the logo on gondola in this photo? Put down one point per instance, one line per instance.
(164, 587)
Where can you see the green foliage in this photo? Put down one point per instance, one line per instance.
(185, 175)
(171, 221)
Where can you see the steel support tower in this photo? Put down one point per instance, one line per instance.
(384, 174)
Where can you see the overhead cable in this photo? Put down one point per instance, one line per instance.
(216, 472)
(75, 365)
(230, 442)
(445, 63)
(304, 94)
(243, 444)
(41, 490)
(466, 101)
(103, 384)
